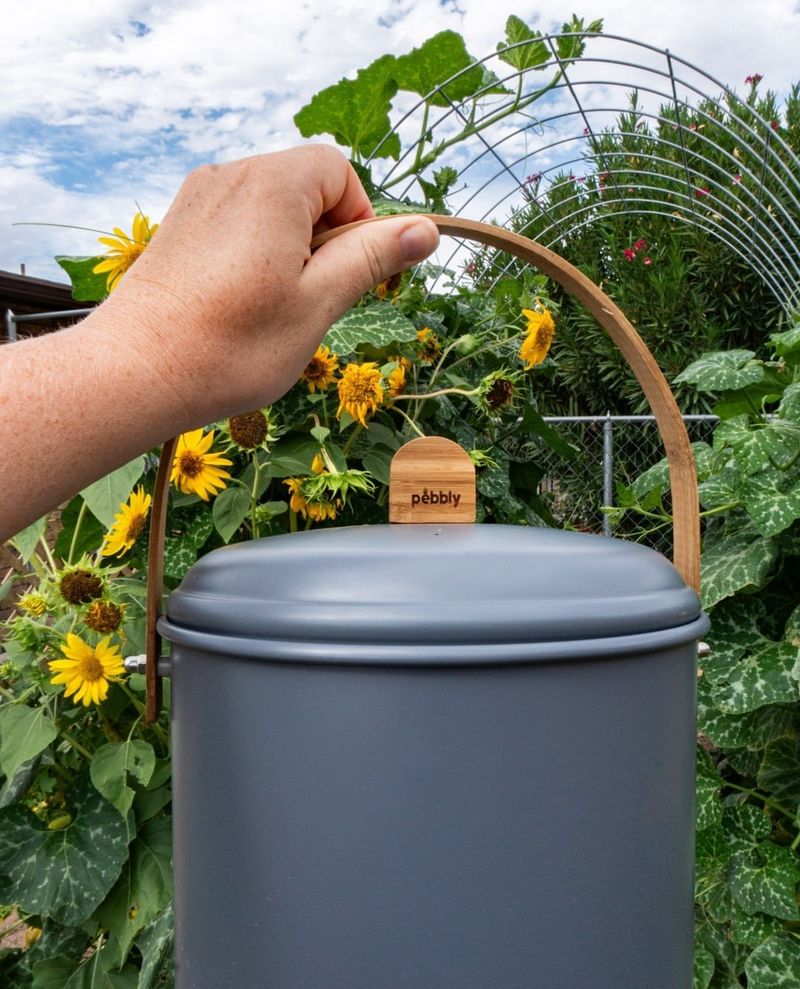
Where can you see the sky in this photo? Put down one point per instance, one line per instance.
(106, 107)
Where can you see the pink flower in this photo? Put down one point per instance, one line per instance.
(640, 245)
(647, 260)
(774, 125)
(737, 179)
(470, 269)
(629, 254)
(754, 79)
(585, 130)
(701, 191)
(531, 179)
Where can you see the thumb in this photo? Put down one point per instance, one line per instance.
(353, 262)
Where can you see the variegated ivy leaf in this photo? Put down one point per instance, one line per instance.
(763, 880)
(735, 563)
(775, 964)
(779, 772)
(708, 809)
(723, 370)
(787, 344)
(771, 508)
(792, 632)
(723, 488)
(756, 445)
(734, 630)
(703, 968)
(752, 929)
(726, 731)
(790, 403)
(745, 826)
(62, 874)
(378, 325)
(656, 478)
(762, 678)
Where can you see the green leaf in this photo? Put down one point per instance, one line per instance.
(735, 563)
(779, 772)
(532, 422)
(708, 809)
(180, 551)
(90, 535)
(771, 508)
(24, 733)
(533, 55)
(570, 48)
(752, 929)
(394, 207)
(356, 111)
(745, 826)
(25, 542)
(142, 891)
(86, 286)
(758, 445)
(763, 880)
(723, 370)
(702, 968)
(378, 461)
(787, 344)
(155, 944)
(761, 678)
(428, 67)
(231, 508)
(775, 964)
(790, 406)
(92, 973)
(378, 325)
(106, 496)
(62, 874)
(113, 763)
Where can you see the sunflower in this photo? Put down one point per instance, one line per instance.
(124, 250)
(249, 430)
(128, 523)
(103, 616)
(396, 381)
(430, 348)
(195, 470)
(540, 335)
(32, 604)
(321, 369)
(360, 391)
(317, 511)
(86, 671)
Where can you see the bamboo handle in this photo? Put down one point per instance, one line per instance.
(683, 480)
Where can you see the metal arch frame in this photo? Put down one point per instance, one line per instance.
(768, 239)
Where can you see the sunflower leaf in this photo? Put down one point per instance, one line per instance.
(24, 733)
(105, 497)
(86, 285)
(111, 766)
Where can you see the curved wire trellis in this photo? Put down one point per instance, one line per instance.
(746, 195)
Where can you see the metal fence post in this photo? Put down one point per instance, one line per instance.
(608, 470)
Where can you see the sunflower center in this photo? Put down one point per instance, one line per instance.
(135, 526)
(191, 464)
(90, 668)
(316, 369)
(543, 336)
(248, 430)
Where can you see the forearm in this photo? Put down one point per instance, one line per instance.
(75, 405)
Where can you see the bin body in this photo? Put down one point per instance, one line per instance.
(446, 803)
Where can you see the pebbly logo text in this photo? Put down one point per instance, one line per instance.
(436, 498)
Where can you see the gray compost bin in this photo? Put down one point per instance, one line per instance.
(433, 757)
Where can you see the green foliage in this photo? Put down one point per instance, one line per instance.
(748, 779)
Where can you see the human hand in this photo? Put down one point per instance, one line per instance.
(228, 302)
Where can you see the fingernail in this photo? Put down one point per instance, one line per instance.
(417, 242)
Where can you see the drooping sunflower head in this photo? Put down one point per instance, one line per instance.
(499, 392)
(128, 524)
(79, 585)
(321, 369)
(429, 347)
(86, 671)
(540, 332)
(124, 250)
(103, 616)
(396, 381)
(249, 429)
(318, 510)
(360, 391)
(196, 469)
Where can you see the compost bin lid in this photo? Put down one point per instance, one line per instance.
(411, 586)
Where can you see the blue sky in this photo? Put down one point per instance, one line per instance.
(107, 106)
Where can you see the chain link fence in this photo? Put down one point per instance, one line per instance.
(615, 450)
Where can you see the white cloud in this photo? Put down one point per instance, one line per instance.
(107, 105)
